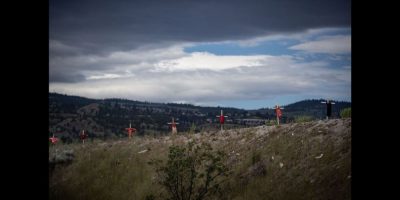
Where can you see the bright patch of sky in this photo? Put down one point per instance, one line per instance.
(330, 47)
(279, 47)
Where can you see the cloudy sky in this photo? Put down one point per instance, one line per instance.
(246, 54)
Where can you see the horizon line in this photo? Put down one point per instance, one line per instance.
(191, 104)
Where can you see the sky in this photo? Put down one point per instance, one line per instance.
(233, 53)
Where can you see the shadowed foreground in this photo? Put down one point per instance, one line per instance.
(310, 160)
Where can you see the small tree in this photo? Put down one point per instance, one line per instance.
(192, 129)
(192, 172)
(345, 113)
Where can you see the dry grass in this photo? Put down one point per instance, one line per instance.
(282, 162)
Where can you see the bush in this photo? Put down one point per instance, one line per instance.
(303, 118)
(345, 113)
(192, 172)
(270, 122)
(150, 197)
(255, 157)
(192, 129)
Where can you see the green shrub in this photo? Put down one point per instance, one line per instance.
(255, 157)
(345, 113)
(303, 118)
(192, 172)
(270, 122)
(150, 197)
(192, 129)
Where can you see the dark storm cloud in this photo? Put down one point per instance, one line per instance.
(99, 26)
(66, 77)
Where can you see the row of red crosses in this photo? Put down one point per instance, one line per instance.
(278, 111)
(131, 130)
(82, 135)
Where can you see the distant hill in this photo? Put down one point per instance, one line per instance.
(313, 108)
(105, 118)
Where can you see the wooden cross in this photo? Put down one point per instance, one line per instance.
(53, 139)
(83, 136)
(130, 130)
(222, 119)
(278, 111)
(328, 103)
(173, 126)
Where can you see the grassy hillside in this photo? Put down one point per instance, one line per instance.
(310, 160)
